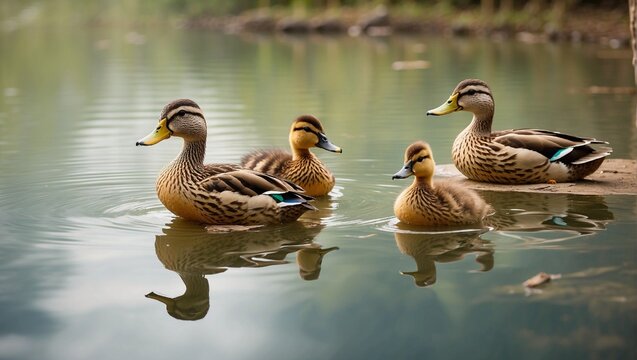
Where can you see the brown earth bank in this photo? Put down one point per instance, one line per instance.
(614, 177)
(608, 26)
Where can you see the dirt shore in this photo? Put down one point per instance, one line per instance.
(614, 177)
(607, 26)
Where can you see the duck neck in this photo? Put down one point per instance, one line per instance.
(422, 181)
(192, 155)
(481, 123)
(298, 154)
(196, 285)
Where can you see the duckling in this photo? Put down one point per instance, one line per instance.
(519, 156)
(217, 193)
(301, 167)
(428, 204)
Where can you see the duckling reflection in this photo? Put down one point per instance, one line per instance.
(192, 252)
(516, 211)
(431, 248)
(309, 260)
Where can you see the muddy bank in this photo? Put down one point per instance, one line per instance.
(607, 26)
(614, 177)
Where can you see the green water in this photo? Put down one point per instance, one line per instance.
(84, 237)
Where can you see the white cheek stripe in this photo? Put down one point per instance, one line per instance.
(477, 88)
(190, 109)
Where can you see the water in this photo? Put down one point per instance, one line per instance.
(85, 240)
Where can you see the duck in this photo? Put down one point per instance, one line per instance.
(301, 166)
(425, 203)
(217, 193)
(516, 156)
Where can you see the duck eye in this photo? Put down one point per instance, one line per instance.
(471, 92)
(307, 128)
(182, 113)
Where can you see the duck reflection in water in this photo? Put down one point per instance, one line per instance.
(309, 260)
(518, 211)
(192, 252)
(442, 247)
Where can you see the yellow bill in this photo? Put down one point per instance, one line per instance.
(448, 107)
(160, 133)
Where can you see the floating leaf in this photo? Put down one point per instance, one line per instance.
(540, 279)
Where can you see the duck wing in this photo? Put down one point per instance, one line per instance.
(553, 145)
(247, 182)
(215, 169)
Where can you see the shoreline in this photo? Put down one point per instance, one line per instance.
(607, 27)
(614, 177)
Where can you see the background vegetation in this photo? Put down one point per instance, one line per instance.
(146, 10)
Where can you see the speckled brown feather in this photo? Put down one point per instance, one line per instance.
(441, 205)
(307, 171)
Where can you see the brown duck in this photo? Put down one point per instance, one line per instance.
(434, 204)
(520, 156)
(301, 166)
(217, 193)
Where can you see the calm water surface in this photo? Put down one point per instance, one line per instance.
(84, 238)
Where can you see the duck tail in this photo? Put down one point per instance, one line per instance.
(599, 153)
(582, 153)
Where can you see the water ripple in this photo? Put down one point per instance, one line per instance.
(370, 207)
